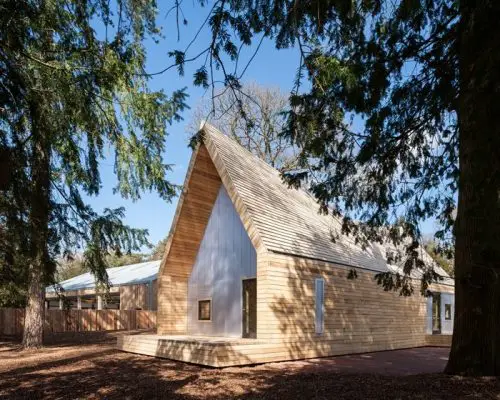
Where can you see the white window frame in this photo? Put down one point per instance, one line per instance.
(319, 306)
(447, 305)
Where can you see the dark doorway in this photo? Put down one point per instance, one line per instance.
(436, 313)
(249, 313)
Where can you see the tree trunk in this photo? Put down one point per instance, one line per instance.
(476, 338)
(34, 315)
(39, 230)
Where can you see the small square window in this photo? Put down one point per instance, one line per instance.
(447, 311)
(204, 310)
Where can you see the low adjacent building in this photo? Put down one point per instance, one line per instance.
(133, 287)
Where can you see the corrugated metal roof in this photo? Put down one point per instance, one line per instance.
(125, 275)
(287, 219)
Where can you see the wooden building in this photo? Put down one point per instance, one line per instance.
(251, 275)
(133, 287)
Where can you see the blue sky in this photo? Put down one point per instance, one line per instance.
(270, 67)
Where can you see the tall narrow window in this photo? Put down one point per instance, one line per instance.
(436, 313)
(319, 291)
(447, 311)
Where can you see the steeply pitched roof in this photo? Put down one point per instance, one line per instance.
(133, 274)
(287, 219)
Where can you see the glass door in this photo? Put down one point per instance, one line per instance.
(436, 313)
(249, 308)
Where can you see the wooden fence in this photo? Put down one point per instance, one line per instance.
(12, 320)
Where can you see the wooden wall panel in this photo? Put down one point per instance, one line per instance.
(127, 298)
(192, 214)
(195, 206)
(172, 305)
(56, 321)
(438, 340)
(358, 313)
(154, 295)
(134, 297)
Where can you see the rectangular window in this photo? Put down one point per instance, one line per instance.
(204, 310)
(319, 290)
(436, 313)
(447, 311)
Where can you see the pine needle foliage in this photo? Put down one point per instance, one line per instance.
(72, 94)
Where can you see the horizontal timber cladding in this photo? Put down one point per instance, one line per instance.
(438, 340)
(172, 305)
(359, 317)
(358, 313)
(255, 351)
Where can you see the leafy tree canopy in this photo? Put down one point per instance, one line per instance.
(395, 109)
(373, 109)
(77, 93)
(255, 120)
(440, 257)
(159, 250)
(72, 90)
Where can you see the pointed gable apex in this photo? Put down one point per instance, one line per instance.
(288, 220)
(195, 204)
(277, 218)
(206, 173)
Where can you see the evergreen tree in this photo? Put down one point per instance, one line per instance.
(67, 94)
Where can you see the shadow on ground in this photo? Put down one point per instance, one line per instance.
(82, 370)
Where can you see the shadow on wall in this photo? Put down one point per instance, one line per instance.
(134, 297)
(359, 316)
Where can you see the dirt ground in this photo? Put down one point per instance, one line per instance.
(87, 366)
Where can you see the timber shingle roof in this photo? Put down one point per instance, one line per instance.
(287, 219)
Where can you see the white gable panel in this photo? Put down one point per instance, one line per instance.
(225, 257)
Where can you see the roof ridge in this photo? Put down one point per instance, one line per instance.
(288, 219)
(217, 132)
(215, 141)
(129, 265)
(112, 274)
